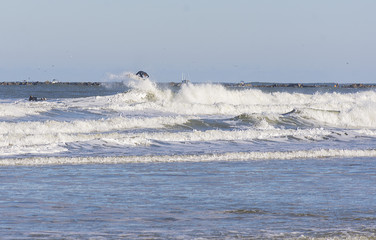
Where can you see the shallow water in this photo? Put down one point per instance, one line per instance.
(320, 198)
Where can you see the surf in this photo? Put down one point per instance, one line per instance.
(349, 110)
(227, 157)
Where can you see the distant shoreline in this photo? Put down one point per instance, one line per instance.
(240, 85)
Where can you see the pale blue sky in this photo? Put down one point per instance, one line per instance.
(211, 40)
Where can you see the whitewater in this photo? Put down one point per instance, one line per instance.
(162, 121)
(226, 162)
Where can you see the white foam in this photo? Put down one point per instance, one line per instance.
(33, 137)
(235, 135)
(87, 126)
(27, 134)
(23, 108)
(349, 115)
(350, 110)
(31, 149)
(238, 156)
(49, 135)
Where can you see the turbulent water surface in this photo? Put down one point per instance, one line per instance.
(146, 160)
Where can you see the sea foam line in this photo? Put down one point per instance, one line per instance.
(87, 126)
(145, 138)
(238, 156)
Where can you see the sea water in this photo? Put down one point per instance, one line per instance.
(145, 160)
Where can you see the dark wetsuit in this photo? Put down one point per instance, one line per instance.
(142, 74)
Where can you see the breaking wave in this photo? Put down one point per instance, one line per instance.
(349, 110)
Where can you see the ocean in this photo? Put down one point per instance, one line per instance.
(137, 159)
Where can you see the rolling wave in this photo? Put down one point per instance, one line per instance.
(351, 110)
(54, 137)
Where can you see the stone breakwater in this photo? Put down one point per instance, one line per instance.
(300, 85)
(240, 85)
(47, 83)
(291, 85)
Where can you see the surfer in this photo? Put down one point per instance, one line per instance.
(31, 98)
(142, 74)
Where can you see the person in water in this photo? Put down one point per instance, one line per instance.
(31, 98)
(142, 74)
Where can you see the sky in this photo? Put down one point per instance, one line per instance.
(207, 40)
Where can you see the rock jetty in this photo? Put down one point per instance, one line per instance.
(50, 83)
(234, 85)
(289, 85)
